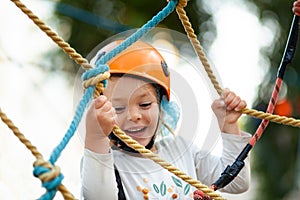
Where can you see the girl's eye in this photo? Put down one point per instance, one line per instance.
(145, 105)
(119, 109)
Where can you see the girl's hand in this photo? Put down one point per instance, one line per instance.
(296, 7)
(228, 110)
(100, 118)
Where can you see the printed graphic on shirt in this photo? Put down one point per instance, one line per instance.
(177, 189)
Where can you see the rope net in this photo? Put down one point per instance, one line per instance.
(94, 82)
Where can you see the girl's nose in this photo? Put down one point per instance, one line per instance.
(134, 114)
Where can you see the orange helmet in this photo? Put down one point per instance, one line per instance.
(139, 59)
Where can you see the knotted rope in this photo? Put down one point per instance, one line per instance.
(49, 179)
(91, 78)
(95, 85)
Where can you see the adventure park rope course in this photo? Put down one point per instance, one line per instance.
(95, 78)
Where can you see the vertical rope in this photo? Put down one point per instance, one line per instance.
(52, 172)
(196, 45)
(199, 51)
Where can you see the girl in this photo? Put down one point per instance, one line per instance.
(136, 99)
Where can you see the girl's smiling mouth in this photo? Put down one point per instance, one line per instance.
(135, 131)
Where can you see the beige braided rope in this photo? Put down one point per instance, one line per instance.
(19, 135)
(271, 117)
(198, 49)
(152, 156)
(93, 81)
(196, 44)
(97, 79)
(55, 171)
(132, 143)
(149, 154)
(57, 39)
(54, 36)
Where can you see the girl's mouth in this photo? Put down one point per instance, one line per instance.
(135, 131)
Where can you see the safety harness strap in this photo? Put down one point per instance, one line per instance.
(121, 194)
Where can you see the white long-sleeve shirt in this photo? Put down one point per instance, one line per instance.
(142, 176)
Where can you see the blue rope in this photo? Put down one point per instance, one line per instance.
(49, 195)
(89, 92)
(100, 68)
(57, 151)
(52, 185)
(74, 124)
(140, 32)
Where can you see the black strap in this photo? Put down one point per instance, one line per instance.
(121, 194)
(122, 145)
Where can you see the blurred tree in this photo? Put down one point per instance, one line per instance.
(275, 155)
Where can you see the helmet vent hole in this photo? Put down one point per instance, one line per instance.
(165, 68)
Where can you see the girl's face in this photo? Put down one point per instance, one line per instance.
(136, 105)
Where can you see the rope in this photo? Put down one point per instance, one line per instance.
(91, 86)
(150, 155)
(52, 174)
(271, 117)
(54, 36)
(196, 45)
(198, 49)
(47, 172)
(128, 140)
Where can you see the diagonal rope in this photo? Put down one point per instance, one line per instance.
(267, 116)
(90, 90)
(141, 149)
(150, 155)
(39, 158)
(198, 49)
(89, 74)
(84, 63)
(54, 36)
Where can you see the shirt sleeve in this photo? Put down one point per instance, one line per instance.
(98, 176)
(210, 167)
